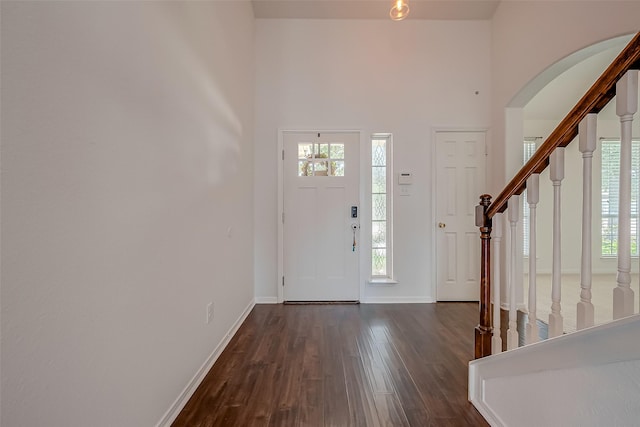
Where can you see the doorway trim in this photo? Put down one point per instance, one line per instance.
(362, 185)
(434, 215)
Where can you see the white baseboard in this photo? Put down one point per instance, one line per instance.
(173, 412)
(396, 300)
(266, 300)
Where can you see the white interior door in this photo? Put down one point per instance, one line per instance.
(460, 179)
(320, 185)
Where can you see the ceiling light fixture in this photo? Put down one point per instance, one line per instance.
(399, 10)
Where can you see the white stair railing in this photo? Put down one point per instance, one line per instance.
(533, 196)
(514, 215)
(587, 136)
(556, 163)
(626, 107)
(496, 339)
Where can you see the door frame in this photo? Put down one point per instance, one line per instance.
(363, 218)
(434, 201)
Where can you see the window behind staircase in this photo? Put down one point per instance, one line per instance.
(610, 196)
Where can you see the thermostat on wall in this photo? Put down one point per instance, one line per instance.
(405, 178)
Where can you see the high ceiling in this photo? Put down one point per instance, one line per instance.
(373, 9)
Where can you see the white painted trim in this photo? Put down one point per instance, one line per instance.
(434, 131)
(434, 236)
(382, 281)
(365, 211)
(398, 300)
(279, 280)
(266, 300)
(177, 406)
(281, 132)
(611, 342)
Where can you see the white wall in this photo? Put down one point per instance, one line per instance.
(528, 37)
(375, 76)
(127, 203)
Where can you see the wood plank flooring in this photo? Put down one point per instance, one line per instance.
(342, 365)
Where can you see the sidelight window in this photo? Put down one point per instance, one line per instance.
(381, 254)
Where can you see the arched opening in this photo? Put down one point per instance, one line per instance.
(530, 117)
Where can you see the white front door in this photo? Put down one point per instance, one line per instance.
(320, 186)
(460, 179)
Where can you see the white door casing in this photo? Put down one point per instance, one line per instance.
(460, 178)
(319, 261)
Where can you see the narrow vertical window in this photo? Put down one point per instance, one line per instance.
(381, 255)
(610, 196)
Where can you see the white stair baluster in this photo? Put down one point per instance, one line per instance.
(514, 216)
(496, 238)
(556, 163)
(533, 196)
(626, 107)
(587, 136)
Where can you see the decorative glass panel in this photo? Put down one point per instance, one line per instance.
(379, 262)
(379, 152)
(379, 234)
(379, 207)
(381, 252)
(378, 180)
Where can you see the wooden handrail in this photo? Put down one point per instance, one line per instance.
(596, 98)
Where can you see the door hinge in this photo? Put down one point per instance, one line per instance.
(283, 217)
(282, 280)
(282, 154)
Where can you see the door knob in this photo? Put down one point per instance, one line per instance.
(441, 225)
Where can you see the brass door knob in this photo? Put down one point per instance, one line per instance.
(441, 225)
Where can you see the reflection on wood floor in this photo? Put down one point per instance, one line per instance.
(342, 365)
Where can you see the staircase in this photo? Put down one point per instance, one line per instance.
(588, 377)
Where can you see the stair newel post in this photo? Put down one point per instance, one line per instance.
(513, 209)
(483, 330)
(496, 340)
(556, 163)
(626, 107)
(587, 136)
(533, 196)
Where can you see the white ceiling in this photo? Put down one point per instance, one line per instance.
(373, 9)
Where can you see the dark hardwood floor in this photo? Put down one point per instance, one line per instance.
(342, 365)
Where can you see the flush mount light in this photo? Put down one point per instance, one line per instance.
(399, 10)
